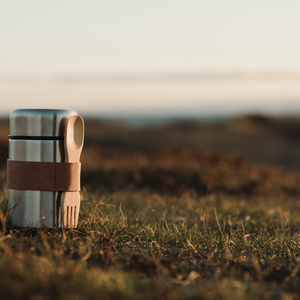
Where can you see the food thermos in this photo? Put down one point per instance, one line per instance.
(36, 169)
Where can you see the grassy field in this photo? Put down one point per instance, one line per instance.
(162, 221)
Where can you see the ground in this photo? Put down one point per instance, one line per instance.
(169, 213)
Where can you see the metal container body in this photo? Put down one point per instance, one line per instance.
(36, 135)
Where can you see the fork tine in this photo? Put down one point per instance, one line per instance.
(71, 216)
(70, 209)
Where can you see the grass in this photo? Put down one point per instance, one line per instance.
(143, 245)
(174, 223)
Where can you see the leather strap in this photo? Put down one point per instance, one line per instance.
(43, 176)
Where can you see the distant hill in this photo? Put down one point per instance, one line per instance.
(259, 138)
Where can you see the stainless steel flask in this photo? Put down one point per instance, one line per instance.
(36, 135)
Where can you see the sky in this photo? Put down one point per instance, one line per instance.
(44, 45)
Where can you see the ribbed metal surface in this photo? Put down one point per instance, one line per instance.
(36, 208)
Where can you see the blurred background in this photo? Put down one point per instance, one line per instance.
(224, 75)
(151, 58)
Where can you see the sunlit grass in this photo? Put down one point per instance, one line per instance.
(142, 245)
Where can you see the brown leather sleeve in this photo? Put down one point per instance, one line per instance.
(43, 176)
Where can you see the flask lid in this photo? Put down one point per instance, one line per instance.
(39, 122)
